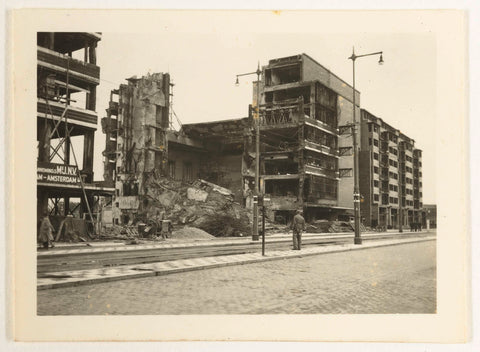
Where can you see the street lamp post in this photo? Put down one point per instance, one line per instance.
(256, 118)
(356, 187)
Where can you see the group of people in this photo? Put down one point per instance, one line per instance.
(415, 226)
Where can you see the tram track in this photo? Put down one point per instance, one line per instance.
(110, 258)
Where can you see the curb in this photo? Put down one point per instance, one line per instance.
(156, 246)
(165, 268)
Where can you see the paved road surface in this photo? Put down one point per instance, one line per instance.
(396, 279)
(91, 258)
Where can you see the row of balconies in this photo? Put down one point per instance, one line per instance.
(63, 63)
(84, 117)
(289, 112)
(386, 200)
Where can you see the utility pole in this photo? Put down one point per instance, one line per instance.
(256, 118)
(356, 187)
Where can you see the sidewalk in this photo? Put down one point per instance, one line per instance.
(91, 276)
(101, 247)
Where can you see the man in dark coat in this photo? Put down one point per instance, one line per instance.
(298, 225)
(45, 235)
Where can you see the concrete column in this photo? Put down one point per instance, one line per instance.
(88, 144)
(66, 205)
(85, 53)
(92, 98)
(92, 55)
(51, 44)
(42, 202)
(44, 141)
(66, 154)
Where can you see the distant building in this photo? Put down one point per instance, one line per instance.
(390, 175)
(430, 211)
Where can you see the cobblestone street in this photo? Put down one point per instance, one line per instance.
(394, 279)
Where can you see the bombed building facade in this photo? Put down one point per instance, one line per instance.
(67, 77)
(306, 149)
(141, 147)
(306, 145)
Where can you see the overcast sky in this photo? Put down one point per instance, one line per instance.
(204, 54)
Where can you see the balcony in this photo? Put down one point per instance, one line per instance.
(313, 169)
(285, 114)
(63, 63)
(283, 72)
(321, 125)
(309, 145)
(76, 115)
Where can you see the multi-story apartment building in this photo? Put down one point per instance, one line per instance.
(306, 142)
(67, 77)
(390, 175)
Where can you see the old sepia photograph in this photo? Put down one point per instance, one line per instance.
(198, 168)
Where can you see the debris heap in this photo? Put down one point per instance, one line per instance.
(199, 204)
(324, 226)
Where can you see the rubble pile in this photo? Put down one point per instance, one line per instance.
(325, 226)
(120, 232)
(200, 204)
(191, 233)
(70, 229)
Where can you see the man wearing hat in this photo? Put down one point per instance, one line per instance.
(298, 225)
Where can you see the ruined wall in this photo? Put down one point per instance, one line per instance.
(225, 171)
(142, 122)
(181, 160)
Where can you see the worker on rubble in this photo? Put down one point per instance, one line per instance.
(45, 235)
(298, 225)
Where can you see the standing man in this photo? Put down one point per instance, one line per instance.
(45, 234)
(298, 225)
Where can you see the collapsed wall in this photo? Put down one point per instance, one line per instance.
(159, 173)
(199, 204)
(136, 144)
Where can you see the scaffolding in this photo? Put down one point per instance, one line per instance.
(50, 91)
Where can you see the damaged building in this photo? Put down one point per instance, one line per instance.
(306, 151)
(67, 77)
(142, 151)
(306, 145)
